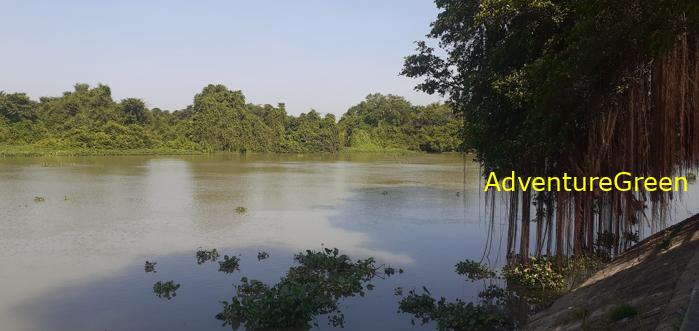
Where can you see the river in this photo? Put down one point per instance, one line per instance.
(75, 233)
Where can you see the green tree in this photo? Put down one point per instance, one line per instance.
(221, 122)
(134, 111)
(16, 107)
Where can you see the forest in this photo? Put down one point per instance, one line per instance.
(88, 121)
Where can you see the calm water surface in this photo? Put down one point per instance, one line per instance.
(75, 260)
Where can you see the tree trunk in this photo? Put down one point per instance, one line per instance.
(526, 218)
(539, 223)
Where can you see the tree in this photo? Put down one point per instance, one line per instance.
(221, 122)
(16, 107)
(134, 111)
(581, 87)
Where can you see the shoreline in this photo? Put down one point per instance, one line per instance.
(28, 151)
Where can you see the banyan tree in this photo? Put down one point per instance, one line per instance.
(587, 88)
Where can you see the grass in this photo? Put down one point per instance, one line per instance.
(666, 242)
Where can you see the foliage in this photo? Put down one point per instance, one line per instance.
(666, 241)
(16, 107)
(204, 256)
(529, 75)
(262, 256)
(474, 270)
(312, 288)
(530, 287)
(150, 266)
(167, 290)
(87, 121)
(229, 264)
(383, 122)
(546, 88)
(538, 274)
(456, 315)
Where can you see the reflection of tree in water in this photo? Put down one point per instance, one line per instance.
(528, 288)
(489, 312)
(311, 288)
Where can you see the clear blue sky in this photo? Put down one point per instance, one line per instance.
(326, 55)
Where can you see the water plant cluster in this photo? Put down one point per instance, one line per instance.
(150, 266)
(262, 256)
(166, 290)
(313, 287)
(228, 264)
(319, 280)
(204, 256)
(508, 297)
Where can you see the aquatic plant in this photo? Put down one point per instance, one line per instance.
(39, 199)
(229, 264)
(150, 266)
(311, 288)
(166, 290)
(204, 256)
(241, 210)
(262, 256)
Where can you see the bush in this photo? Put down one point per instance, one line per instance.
(538, 274)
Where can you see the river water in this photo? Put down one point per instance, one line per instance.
(75, 233)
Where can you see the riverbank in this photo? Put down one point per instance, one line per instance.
(649, 287)
(32, 151)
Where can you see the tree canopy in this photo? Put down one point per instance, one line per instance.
(588, 88)
(219, 119)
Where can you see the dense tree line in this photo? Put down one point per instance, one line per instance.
(220, 119)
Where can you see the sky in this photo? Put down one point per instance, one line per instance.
(310, 54)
